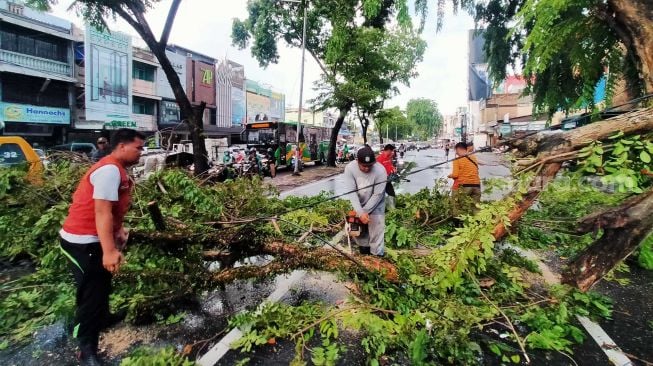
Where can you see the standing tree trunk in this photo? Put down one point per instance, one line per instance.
(633, 22)
(193, 114)
(331, 156)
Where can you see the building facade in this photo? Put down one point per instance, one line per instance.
(61, 83)
(312, 117)
(36, 74)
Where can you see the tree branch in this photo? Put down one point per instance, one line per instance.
(129, 19)
(145, 30)
(163, 41)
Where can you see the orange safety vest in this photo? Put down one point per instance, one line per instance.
(81, 215)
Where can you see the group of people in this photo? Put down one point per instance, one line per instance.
(93, 237)
(370, 177)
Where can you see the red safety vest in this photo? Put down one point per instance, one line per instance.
(81, 215)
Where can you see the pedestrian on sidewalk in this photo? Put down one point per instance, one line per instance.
(102, 149)
(385, 159)
(446, 151)
(466, 192)
(367, 178)
(93, 237)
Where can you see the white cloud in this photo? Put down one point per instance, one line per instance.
(205, 26)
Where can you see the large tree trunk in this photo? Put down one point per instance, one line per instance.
(625, 227)
(364, 126)
(634, 25)
(551, 147)
(192, 115)
(290, 257)
(547, 143)
(331, 156)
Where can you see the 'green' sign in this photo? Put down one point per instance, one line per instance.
(120, 124)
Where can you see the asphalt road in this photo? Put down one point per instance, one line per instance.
(490, 167)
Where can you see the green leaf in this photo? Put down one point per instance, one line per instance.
(645, 157)
(515, 358)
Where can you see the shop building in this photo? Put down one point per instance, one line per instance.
(36, 74)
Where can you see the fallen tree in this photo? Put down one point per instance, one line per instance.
(629, 224)
(624, 228)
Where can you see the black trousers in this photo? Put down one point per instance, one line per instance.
(93, 289)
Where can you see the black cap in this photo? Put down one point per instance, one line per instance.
(389, 147)
(365, 156)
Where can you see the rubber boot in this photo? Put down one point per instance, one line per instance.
(88, 353)
(364, 250)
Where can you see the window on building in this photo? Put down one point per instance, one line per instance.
(141, 71)
(31, 42)
(25, 89)
(142, 106)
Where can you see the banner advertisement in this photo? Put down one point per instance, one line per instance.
(12, 112)
(258, 108)
(179, 64)
(108, 66)
(203, 82)
(238, 109)
(277, 106)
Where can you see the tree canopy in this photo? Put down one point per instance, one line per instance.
(567, 47)
(392, 123)
(424, 114)
(364, 48)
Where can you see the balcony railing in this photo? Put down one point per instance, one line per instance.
(35, 63)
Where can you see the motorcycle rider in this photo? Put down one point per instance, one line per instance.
(254, 159)
(385, 159)
(402, 150)
(227, 158)
(272, 162)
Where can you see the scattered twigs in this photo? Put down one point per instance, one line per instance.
(306, 234)
(520, 342)
(324, 318)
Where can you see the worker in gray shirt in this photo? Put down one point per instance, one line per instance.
(368, 178)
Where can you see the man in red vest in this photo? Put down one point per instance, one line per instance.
(93, 236)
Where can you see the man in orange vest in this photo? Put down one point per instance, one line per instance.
(93, 237)
(466, 190)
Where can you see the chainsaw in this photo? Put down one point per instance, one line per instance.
(355, 226)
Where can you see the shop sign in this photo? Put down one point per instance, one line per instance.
(12, 112)
(505, 129)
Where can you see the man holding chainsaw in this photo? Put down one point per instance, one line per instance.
(366, 179)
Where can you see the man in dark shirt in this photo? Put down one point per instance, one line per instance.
(102, 149)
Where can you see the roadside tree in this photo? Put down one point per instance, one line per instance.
(96, 12)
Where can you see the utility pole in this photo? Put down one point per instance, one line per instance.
(463, 128)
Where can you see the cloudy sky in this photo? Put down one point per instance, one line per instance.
(205, 26)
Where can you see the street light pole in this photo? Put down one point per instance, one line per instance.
(301, 93)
